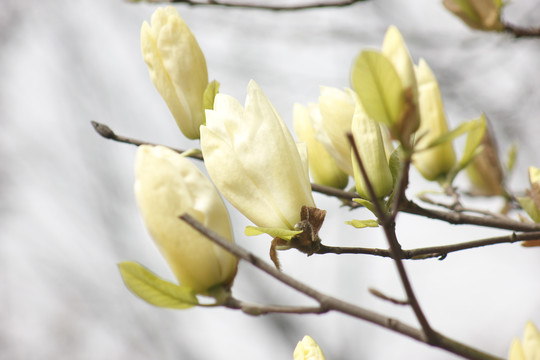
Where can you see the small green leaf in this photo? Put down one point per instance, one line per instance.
(155, 290)
(378, 86)
(529, 206)
(209, 94)
(450, 135)
(284, 234)
(359, 224)
(366, 203)
(511, 158)
(474, 138)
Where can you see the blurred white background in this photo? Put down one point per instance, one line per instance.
(67, 211)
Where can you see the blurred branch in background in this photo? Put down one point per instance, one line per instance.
(262, 6)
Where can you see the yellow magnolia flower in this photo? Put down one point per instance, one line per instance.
(529, 349)
(371, 148)
(439, 160)
(322, 166)
(478, 14)
(337, 109)
(167, 186)
(177, 67)
(254, 162)
(307, 349)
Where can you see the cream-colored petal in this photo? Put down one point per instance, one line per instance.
(369, 141)
(337, 109)
(253, 160)
(167, 186)
(440, 159)
(177, 67)
(308, 349)
(531, 342)
(516, 351)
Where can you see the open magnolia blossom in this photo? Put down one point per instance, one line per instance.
(336, 108)
(177, 67)
(307, 349)
(253, 160)
(529, 348)
(169, 185)
(322, 166)
(438, 161)
(371, 148)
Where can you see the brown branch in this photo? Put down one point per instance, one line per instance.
(433, 251)
(106, 132)
(407, 206)
(389, 225)
(262, 6)
(328, 303)
(263, 309)
(519, 31)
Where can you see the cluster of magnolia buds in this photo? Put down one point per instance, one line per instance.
(394, 110)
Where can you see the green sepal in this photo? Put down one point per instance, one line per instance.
(474, 139)
(473, 147)
(153, 289)
(511, 157)
(366, 203)
(378, 86)
(395, 164)
(530, 208)
(359, 224)
(284, 234)
(210, 93)
(450, 135)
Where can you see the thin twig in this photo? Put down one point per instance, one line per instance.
(458, 207)
(328, 303)
(106, 132)
(407, 206)
(261, 6)
(388, 225)
(433, 251)
(263, 309)
(519, 31)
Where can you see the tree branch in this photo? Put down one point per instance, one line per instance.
(519, 31)
(262, 309)
(262, 6)
(433, 251)
(389, 225)
(328, 303)
(106, 132)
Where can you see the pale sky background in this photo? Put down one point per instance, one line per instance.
(68, 215)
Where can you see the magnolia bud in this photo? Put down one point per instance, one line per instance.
(322, 166)
(371, 148)
(478, 14)
(169, 185)
(177, 68)
(529, 349)
(436, 162)
(337, 109)
(307, 349)
(253, 160)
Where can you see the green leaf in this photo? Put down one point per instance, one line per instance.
(284, 234)
(362, 223)
(366, 203)
(450, 135)
(474, 138)
(511, 158)
(209, 94)
(529, 206)
(155, 290)
(378, 86)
